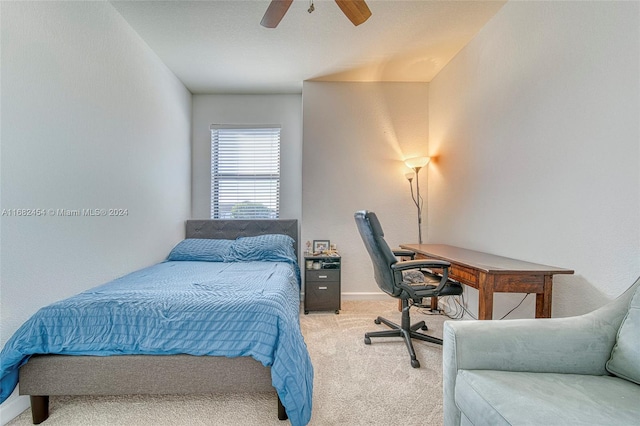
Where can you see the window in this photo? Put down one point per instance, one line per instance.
(245, 172)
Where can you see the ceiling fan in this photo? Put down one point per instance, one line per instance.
(356, 10)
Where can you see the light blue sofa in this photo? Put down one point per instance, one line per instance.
(582, 370)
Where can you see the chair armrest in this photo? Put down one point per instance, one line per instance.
(404, 253)
(419, 292)
(420, 263)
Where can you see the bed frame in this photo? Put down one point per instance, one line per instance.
(45, 375)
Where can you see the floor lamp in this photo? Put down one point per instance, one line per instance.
(416, 164)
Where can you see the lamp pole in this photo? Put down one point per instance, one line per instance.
(416, 164)
(419, 205)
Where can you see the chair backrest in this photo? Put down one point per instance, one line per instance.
(381, 255)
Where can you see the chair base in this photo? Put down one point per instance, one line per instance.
(406, 331)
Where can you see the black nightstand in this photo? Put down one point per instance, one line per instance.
(322, 283)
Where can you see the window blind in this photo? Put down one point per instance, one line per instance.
(245, 172)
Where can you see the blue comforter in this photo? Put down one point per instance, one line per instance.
(196, 308)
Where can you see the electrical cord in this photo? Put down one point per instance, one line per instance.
(454, 313)
(458, 310)
(516, 307)
(463, 307)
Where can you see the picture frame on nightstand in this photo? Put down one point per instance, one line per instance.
(320, 246)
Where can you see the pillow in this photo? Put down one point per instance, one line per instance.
(625, 356)
(268, 247)
(201, 250)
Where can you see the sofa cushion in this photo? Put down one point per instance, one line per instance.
(625, 356)
(490, 397)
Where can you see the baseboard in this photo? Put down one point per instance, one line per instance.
(13, 407)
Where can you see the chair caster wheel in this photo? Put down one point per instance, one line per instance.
(306, 312)
(367, 341)
(337, 312)
(377, 321)
(424, 327)
(415, 363)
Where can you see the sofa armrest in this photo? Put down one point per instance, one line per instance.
(575, 345)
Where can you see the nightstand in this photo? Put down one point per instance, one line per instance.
(322, 283)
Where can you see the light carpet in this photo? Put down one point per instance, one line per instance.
(355, 384)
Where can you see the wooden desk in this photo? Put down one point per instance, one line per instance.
(492, 274)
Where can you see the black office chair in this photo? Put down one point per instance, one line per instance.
(388, 274)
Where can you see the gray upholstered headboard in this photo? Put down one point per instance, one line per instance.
(231, 229)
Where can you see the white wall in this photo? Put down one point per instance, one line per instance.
(90, 119)
(285, 110)
(356, 136)
(535, 123)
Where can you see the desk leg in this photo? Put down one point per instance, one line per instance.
(434, 304)
(485, 296)
(543, 300)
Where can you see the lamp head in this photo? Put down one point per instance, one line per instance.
(416, 163)
(409, 176)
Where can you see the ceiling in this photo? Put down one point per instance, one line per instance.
(219, 46)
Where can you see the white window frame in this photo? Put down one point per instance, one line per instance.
(245, 171)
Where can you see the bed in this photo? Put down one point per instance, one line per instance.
(253, 344)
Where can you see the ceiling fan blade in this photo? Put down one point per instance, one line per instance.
(275, 12)
(356, 10)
